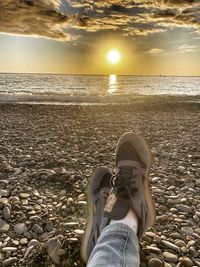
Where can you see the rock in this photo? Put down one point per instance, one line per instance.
(187, 262)
(170, 245)
(162, 218)
(150, 234)
(184, 208)
(24, 195)
(70, 224)
(6, 213)
(23, 241)
(196, 218)
(15, 199)
(9, 262)
(49, 226)
(187, 230)
(35, 218)
(33, 242)
(37, 229)
(79, 231)
(17, 171)
(180, 243)
(166, 264)
(53, 246)
(20, 228)
(181, 169)
(8, 249)
(4, 226)
(15, 242)
(175, 235)
(197, 230)
(155, 180)
(154, 262)
(170, 257)
(153, 249)
(28, 250)
(4, 193)
(2, 257)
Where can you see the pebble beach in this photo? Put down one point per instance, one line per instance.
(48, 153)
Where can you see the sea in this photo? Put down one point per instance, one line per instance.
(62, 89)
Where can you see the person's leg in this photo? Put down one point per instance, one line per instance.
(117, 246)
(117, 222)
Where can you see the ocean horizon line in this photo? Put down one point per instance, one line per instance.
(87, 74)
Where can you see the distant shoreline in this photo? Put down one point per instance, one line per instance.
(103, 74)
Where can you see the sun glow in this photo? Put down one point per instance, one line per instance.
(113, 56)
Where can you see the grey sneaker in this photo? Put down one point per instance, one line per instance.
(130, 187)
(97, 194)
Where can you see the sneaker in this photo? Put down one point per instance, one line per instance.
(97, 194)
(130, 186)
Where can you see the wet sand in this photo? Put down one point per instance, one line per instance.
(47, 154)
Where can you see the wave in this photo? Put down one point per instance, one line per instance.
(55, 98)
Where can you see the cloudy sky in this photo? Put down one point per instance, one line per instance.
(67, 36)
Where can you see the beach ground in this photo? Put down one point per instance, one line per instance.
(47, 154)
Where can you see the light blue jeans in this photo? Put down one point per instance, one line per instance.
(117, 246)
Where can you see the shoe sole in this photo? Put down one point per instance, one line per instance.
(98, 174)
(144, 153)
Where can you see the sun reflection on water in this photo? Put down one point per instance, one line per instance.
(112, 83)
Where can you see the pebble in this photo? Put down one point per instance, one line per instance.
(170, 245)
(187, 230)
(23, 241)
(33, 242)
(9, 261)
(24, 195)
(15, 242)
(175, 235)
(35, 218)
(154, 262)
(153, 249)
(170, 257)
(37, 229)
(20, 228)
(28, 250)
(187, 262)
(4, 226)
(177, 201)
(4, 193)
(49, 226)
(6, 213)
(184, 208)
(180, 243)
(8, 249)
(79, 231)
(197, 230)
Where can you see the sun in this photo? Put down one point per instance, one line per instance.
(113, 56)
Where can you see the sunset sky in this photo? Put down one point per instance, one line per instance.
(61, 36)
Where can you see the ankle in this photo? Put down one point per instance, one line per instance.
(130, 219)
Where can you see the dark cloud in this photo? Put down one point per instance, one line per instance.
(33, 17)
(178, 2)
(54, 18)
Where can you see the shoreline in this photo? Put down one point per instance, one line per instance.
(93, 99)
(48, 152)
(99, 100)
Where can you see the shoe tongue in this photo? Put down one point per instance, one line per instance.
(115, 209)
(128, 163)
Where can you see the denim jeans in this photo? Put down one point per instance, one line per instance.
(117, 246)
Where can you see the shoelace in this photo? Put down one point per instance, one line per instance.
(123, 182)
